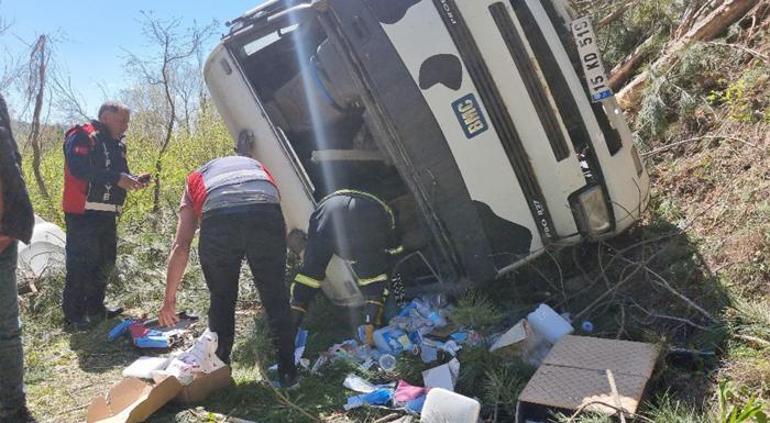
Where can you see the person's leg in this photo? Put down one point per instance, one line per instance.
(12, 398)
(106, 227)
(221, 255)
(371, 270)
(318, 252)
(369, 231)
(81, 252)
(266, 253)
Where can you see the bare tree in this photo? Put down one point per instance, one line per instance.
(39, 59)
(175, 47)
(11, 70)
(68, 100)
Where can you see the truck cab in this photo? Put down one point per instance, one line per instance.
(486, 125)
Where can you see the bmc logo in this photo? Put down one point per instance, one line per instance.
(470, 116)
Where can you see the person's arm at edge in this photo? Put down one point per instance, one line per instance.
(5, 241)
(177, 263)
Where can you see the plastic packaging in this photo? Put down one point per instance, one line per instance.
(358, 384)
(391, 340)
(379, 397)
(119, 330)
(387, 362)
(549, 324)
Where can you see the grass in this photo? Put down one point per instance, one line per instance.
(693, 277)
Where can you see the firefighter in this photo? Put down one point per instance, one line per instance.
(96, 179)
(358, 227)
(236, 202)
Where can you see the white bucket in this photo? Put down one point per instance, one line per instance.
(545, 321)
(442, 406)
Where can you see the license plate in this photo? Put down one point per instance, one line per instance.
(591, 59)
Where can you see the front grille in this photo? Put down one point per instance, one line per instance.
(499, 115)
(533, 83)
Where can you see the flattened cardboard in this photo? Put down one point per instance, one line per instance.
(132, 401)
(575, 373)
(622, 357)
(204, 385)
(570, 388)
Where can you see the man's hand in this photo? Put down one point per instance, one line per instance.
(144, 179)
(167, 314)
(5, 241)
(129, 183)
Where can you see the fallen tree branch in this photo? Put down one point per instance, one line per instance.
(615, 14)
(285, 401)
(745, 49)
(754, 340)
(662, 282)
(705, 30)
(623, 71)
(701, 138)
(583, 408)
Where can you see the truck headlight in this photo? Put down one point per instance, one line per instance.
(590, 210)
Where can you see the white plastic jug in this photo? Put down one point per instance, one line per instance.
(444, 406)
(545, 321)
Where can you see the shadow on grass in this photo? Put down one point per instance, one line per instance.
(317, 396)
(649, 285)
(96, 354)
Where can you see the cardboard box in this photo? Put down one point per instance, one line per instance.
(580, 371)
(204, 385)
(135, 400)
(132, 400)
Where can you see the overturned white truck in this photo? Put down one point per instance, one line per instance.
(486, 124)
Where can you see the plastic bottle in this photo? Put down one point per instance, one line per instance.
(387, 362)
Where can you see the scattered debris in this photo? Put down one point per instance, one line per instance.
(381, 396)
(444, 376)
(200, 358)
(189, 377)
(548, 323)
(441, 403)
(147, 334)
(45, 251)
(144, 367)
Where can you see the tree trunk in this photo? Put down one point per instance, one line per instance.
(38, 64)
(707, 29)
(169, 133)
(621, 73)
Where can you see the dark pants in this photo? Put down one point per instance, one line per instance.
(258, 235)
(357, 230)
(91, 253)
(11, 355)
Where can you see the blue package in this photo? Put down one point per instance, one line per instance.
(415, 338)
(119, 330)
(151, 341)
(415, 405)
(378, 397)
(405, 312)
(459, 336)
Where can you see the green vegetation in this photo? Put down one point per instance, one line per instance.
(691, 278)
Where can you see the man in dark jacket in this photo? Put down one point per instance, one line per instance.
(96, 178)
(16, 223)
(236, 202)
